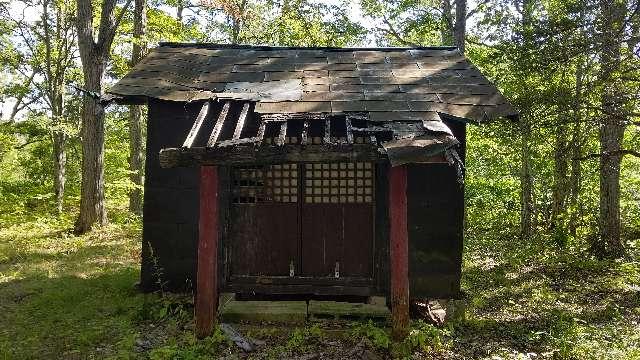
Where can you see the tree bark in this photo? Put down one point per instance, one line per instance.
(94, 55)
(560, 181)
(446, 30)
(611, 130)
(576, 153)
(460, 29)
(92, 207)
(526, 180)
(59, 168)
(136, 157)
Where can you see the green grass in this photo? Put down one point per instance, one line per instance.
(74, 297)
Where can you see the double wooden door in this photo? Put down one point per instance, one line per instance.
(303, 220)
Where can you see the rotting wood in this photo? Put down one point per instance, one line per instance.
(241, 120)
(349, 130)
(249, 140)
(371, 129)
(218, 127)
(305, 133)
(195, 129)
(237, 338)
(260, 135)
(294, 116)
(327, 131)
(283, 134)
(251, 154)
(206, 301)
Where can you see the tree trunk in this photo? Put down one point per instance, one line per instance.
(136, 157)
(526, 180)
(460, 28)
(92, 207)
(59, 167)
(446, 30)
(576, 153)
(94, 55)
(611, 129)
(560, 184)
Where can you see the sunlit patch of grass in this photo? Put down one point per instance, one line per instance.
(63, 295)
(565, 306)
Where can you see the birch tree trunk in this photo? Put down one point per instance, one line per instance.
(136, 157)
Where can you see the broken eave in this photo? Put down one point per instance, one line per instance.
(249, 154)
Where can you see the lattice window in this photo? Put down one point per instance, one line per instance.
(248, 185)
(281, 183)
(339, 182)
(271, 183)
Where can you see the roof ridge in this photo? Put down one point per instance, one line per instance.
(326, 48)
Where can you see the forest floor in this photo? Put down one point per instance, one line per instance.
(73, 297)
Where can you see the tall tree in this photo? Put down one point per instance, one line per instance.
(57, 36)
(94, 54)
(136, 157)
(612, 125)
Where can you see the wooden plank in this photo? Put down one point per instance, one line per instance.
(399, 252)
(349, 130)
(206, 302)
(302, 280)
(305, 133)
(260, 135)
(218, 127)
(251, 155)
(193, 133)
(327, 131)
(302, 289)
(283, 134)
(241, 120)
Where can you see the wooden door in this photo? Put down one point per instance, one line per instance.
(264, 228)
(309, 220)
(337, 219)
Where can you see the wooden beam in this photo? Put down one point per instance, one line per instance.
(261, 130)
(195, 129)
(347, 122)
(283, 134)
(249, 154)
(241, 120)
(399, 252)
(305, 133)
(327, 131)
(206, 302)
(218, 127)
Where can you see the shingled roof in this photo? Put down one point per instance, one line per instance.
(389, 84)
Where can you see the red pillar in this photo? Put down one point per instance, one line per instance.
(206, 301)
(399, 252)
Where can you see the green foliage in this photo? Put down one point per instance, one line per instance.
(426, 337)
(190, 348)
(379, 337)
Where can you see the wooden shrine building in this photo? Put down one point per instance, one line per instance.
(310, 171)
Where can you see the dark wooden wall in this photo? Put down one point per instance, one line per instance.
(170, 221)
(436, 223)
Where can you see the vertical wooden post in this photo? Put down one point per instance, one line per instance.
(206, 302)
(399, 252)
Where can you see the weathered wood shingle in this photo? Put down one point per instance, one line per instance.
(388, 83)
